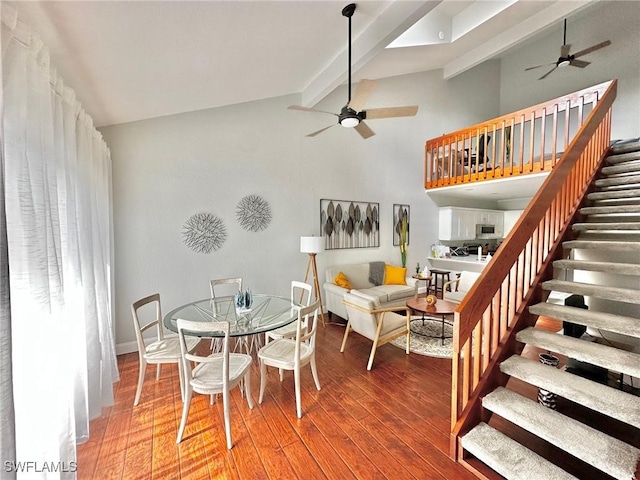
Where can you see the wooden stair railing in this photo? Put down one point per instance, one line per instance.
(496, 307)
(529, 141)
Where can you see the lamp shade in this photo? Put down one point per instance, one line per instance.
(311, 244)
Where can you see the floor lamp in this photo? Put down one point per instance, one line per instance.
(313, 246)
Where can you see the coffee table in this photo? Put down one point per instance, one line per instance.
(441, 308)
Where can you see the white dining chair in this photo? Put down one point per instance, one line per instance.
(300, 294)
(224, 287)
(293, 353)
(160, 350)
(212, 374)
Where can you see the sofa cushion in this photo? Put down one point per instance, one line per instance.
(357, 273)
(394, 275)
(342, 281)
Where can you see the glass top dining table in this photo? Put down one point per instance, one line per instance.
(267, 312)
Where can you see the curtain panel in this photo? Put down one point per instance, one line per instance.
(58, 349)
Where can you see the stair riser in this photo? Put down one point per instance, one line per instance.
(630, 209)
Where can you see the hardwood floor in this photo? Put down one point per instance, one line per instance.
(392, 422)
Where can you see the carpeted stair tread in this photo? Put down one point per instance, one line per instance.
(620, 245)
(610, 210)
(609, 322)
(509, 458)
(601, 398)
(624, 167)
(616, 294)
(579, 227)
(629, 156)
(618, 181)
(608, 454)
(625, 146)
(618, 194)
(605, 267)
(604, 356)
(624, 236)
(615, 202)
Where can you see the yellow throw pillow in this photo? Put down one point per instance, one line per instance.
(394, 275)
(342, 281)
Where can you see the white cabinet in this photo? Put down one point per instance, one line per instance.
(456, 223)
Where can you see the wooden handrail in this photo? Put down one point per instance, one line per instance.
(528, 141)
(496, 307)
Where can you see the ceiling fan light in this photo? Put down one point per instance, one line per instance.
(349, 122)
(564, 63)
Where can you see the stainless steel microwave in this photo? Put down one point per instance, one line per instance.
(485, 231)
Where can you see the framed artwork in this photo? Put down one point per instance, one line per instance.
(398, 212)
(349, 224)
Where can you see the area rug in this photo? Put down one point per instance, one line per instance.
(427, 340)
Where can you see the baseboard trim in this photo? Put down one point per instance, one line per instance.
(127, 347)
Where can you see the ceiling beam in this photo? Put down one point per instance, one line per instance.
(385, 28)
(512, 36)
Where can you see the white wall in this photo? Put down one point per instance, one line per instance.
(615, 21)
(166, 169)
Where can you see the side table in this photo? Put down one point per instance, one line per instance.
(427, 283)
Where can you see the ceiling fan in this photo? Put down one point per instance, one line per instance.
(566, 58)
(352, 115)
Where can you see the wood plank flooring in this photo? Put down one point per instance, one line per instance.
(390, 423)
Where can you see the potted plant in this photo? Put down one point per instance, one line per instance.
(402, 229)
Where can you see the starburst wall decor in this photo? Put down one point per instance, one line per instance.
(253, 213)
(204, 233)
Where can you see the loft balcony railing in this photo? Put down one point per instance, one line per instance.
(529, 141)
(496, 307)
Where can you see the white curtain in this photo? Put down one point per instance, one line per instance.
(58, 354)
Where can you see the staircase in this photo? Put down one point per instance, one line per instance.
(595, 423)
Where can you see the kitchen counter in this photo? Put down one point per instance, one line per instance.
(459, 264)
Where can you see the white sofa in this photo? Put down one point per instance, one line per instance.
(455, 290)
(382, 296)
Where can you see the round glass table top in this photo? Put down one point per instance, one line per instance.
(267, 312)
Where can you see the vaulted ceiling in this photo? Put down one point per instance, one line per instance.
(132, 60)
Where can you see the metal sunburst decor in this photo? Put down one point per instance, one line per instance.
(204, 233)
(253, 213)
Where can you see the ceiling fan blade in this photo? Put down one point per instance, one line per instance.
(538, 66)
(547, 74)
(364, 130)
(317, 132)
(579, 63)
(364, 90)
(390, 112)
(564, 50)
(600, 45)
(307, 109)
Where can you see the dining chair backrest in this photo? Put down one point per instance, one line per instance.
(188, 327)
(308, 334)
(155, 322)
(301, 293)
(222, 282)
